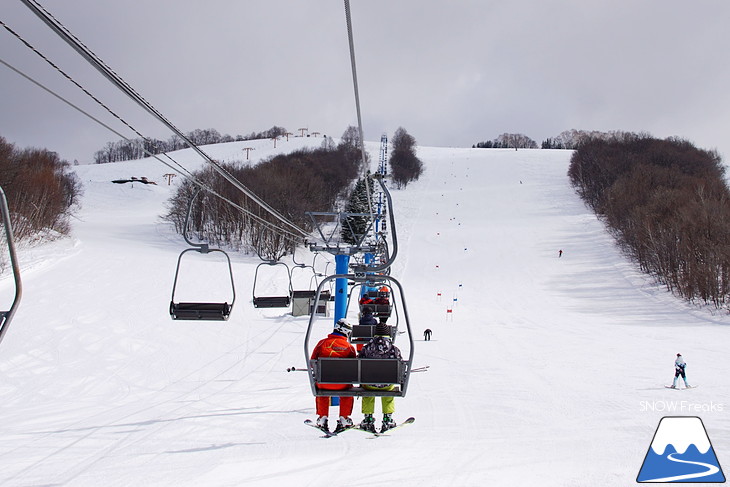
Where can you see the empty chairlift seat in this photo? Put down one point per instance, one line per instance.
(200, 311)
(204, 311)
(197, 310)
(271, 301)
(282, 300)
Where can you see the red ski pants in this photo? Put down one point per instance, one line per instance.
(346, 405)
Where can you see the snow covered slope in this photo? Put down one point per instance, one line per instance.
(548, 371)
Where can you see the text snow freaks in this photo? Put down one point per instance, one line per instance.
(681, 407)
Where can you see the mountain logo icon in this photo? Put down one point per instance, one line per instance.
(681, 452)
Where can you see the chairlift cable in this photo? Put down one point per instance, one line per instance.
(87, 92)
(185, 173)
(357, 106)
(116, 80)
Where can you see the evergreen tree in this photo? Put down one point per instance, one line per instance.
(355, 226)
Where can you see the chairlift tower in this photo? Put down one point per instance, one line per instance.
(379, 223)
(342, 252)
(382, 171)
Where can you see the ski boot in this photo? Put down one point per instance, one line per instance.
(368, 423)
(388, 423)
(322, 424)
(342, 424)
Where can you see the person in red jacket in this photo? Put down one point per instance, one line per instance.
(335, 345)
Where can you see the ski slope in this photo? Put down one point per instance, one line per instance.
(549, 371)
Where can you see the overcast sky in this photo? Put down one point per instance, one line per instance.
(452, 73)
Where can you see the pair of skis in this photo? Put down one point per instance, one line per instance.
(330, 434)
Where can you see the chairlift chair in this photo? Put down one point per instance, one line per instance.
(276, 301)
(360, 371)
(204, 311)
(380, 310)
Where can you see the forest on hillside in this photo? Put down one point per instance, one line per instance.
(667, 204)
(40, 190)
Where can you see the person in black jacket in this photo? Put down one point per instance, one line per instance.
(367, 317)
(380, 346)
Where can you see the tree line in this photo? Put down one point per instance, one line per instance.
(667, 204)
(568, 139)
(139, 148)
(42, 194)
(507, 141)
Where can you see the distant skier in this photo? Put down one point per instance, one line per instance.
(679, 366)
(380, 346)
(427, 334)
(337, 346)
(560, 253)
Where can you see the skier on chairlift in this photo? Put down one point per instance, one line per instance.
(380, 346)
(336, 346)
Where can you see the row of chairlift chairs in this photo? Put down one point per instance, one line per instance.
(216, 311)
(322, 371)
(221, 311)
(355, 371)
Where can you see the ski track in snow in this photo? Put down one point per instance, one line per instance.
(536, 377)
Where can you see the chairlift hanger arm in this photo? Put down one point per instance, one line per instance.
(7, 316)
(202, 247)
(391, 216)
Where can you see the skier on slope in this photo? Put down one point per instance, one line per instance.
(679, 366)
(335, 345)
(380, 346)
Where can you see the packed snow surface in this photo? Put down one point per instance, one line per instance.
(548, 371)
